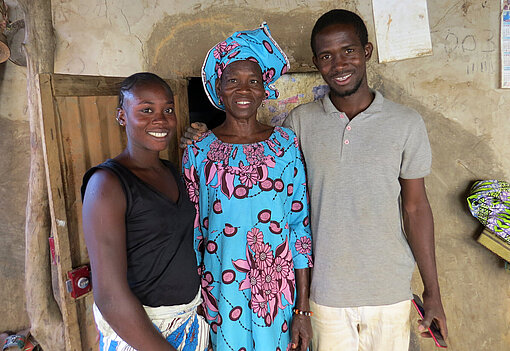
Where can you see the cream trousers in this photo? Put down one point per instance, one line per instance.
(367, 328)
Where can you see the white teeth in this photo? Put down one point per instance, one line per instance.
(243, 102)
(158, 135)
(341, 79)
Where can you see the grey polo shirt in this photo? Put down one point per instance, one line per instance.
(362, 257)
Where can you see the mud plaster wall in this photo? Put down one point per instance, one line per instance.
(14, 169)
(455, 90)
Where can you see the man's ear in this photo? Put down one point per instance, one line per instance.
(121, 116)
(314, 60)
(368, 50)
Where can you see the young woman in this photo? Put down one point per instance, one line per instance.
(248, 182)
(138, 226)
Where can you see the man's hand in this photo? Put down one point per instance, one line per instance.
(301, 332)
(193, 133)
(433, 312)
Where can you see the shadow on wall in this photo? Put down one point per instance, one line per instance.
(466, 269)
(178, 43)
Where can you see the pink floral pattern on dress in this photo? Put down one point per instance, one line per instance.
(269, 275)
(281, 268)
(304, 245)
(254, 153)
(192, 185)
(209, 301)
(219, 152)
(254, 237)
(283, 133)
(249, 175)
(263, 255)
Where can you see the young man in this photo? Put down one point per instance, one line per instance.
(365, 177)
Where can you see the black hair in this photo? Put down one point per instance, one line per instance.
(340, 17)
(140, 78)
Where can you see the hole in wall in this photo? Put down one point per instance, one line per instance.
(200, 108)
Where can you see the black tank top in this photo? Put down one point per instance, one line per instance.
(161, 261)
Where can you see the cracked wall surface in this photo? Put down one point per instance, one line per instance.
(455, 90)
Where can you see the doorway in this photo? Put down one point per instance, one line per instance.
(200, 108)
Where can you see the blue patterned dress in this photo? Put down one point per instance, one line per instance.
(252, 230)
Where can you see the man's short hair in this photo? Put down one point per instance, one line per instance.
(340, 17)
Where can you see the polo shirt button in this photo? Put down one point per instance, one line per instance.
(346, 142)
(341, 115)
(348, 128)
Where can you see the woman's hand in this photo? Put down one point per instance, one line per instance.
(301, 326)
(301, 332)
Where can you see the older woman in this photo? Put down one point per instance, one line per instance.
(248, 183)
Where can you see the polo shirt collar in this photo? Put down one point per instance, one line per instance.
(374, 107)
(328, 106)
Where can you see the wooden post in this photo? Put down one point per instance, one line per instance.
(43, 311)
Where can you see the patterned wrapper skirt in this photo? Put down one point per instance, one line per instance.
(180, 325)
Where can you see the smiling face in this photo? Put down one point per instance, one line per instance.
(241, 89)
(341, 60)
(148, 114)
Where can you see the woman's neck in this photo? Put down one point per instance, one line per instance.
(236, 131)
(138, 159)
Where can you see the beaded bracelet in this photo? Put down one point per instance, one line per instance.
(304, 313)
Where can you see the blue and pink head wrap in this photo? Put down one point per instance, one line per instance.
(254, 45)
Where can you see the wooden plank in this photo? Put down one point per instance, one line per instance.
(180, 87)
(70, 85)
(74, 165)
(53, 152)
(112, 135)
(90, 124)
(117, 139)
(87, 323)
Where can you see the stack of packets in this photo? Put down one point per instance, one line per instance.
(489, 202)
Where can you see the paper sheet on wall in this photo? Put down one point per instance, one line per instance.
(402, 29)
(505, 43)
